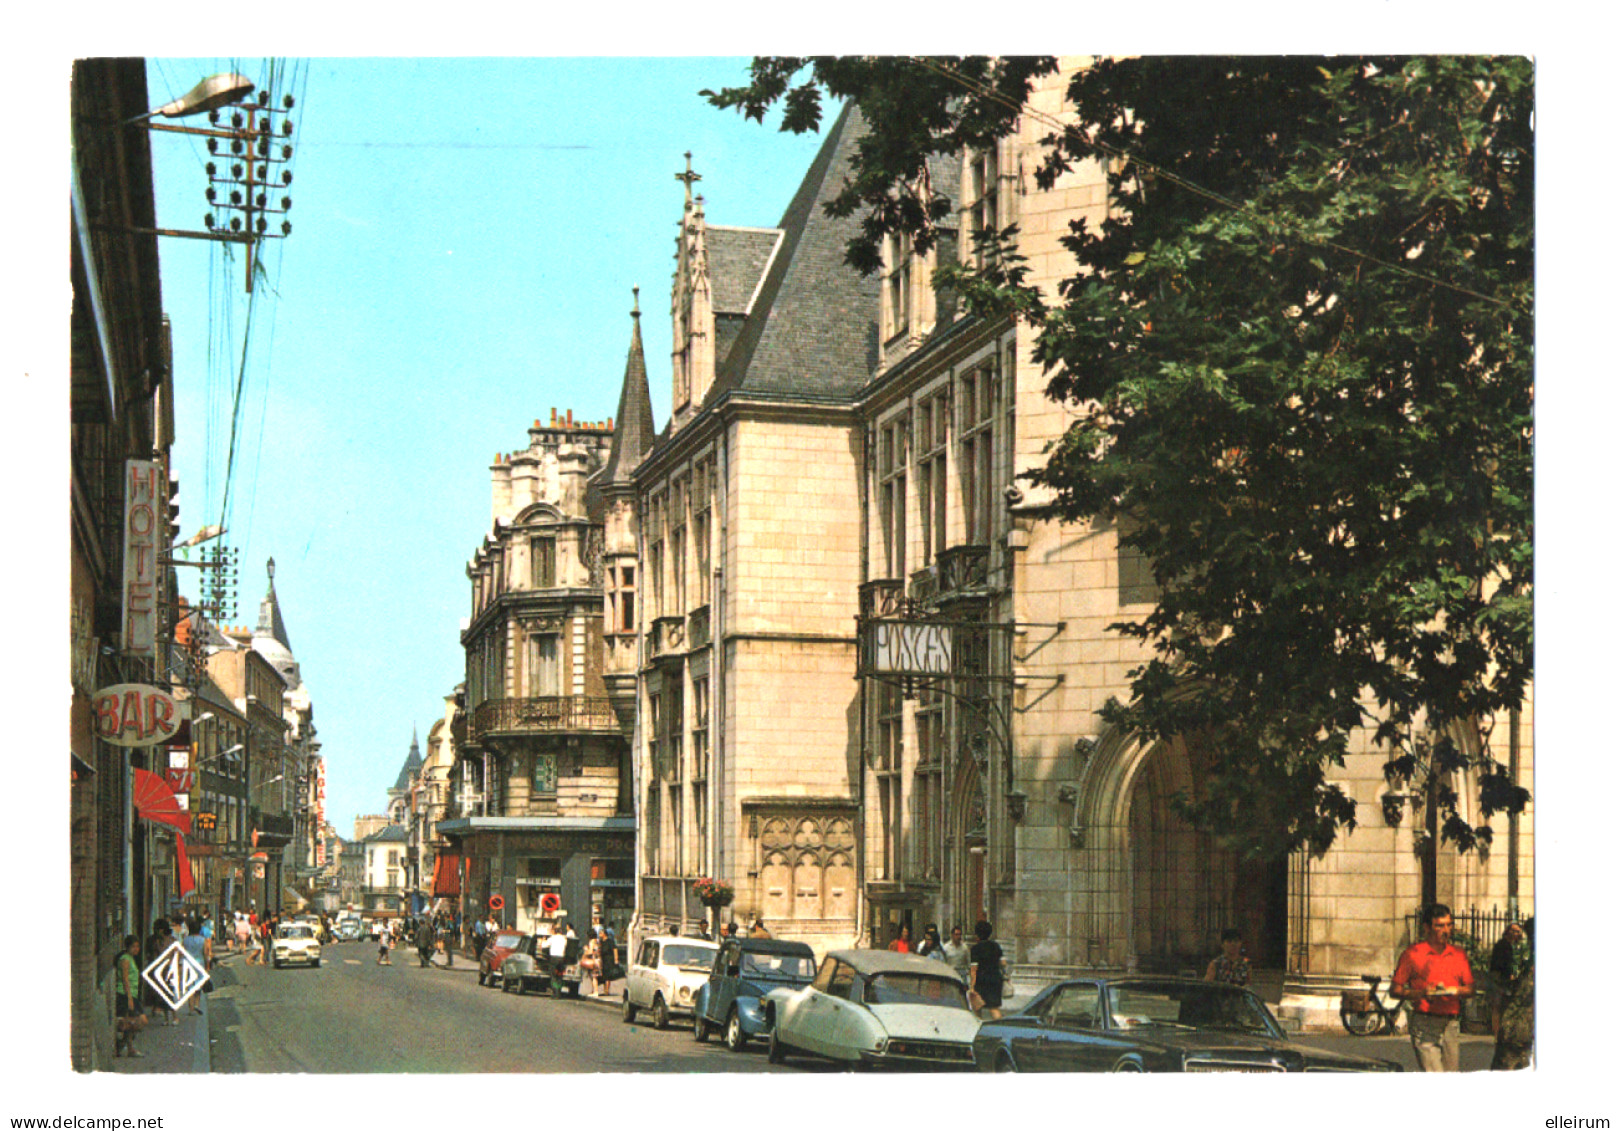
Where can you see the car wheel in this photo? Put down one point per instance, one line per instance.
(483, 979)
(522, 986)
(506, 986)
(660, 1012)
(316, 964)
(735, 1037)
(700, 1028)
(1004, 1062)
(776, 1051)
(629, 1010)
(1127, 1066)
(276, 962)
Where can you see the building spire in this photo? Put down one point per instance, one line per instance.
(688, 177)
(633, 430)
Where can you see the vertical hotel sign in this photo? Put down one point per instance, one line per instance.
(144, 510)
(320, 813)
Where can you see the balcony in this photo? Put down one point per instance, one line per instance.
(963, 571)
(884, 598)
(666, 637)
(546, 714)
(924, 588)
(697, 628)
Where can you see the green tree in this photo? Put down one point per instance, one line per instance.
(1300, 351)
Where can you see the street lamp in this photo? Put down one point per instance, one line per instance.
(210, 94)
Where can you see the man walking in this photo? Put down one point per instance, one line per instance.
(1434, 976)
(424, 941)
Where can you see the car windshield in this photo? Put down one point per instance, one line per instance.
(297, 932)
(508, 940)
(677, 954)
(795, 967)
(914, 989)
(1185, 1005)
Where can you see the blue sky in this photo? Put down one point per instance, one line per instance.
(466, 234)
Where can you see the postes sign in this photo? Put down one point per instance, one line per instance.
(135, 714)
(919, 648)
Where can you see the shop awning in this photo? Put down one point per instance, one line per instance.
(447, 875)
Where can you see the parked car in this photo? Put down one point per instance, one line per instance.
(665, 977)
(876, 1008)
(744, 971)
(295, 942)
(501, 944)
(528, 966)
(1150, 1025)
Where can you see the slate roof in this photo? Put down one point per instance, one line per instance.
(388, 833)
(737, 259)
(413, 762)
(812, 333)
(633, 430)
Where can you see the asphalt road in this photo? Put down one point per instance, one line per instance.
(352, 1016)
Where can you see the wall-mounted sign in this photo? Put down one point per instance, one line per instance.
(145, 515)
(135, 714)
(918, 648)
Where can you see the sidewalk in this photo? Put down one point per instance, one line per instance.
(171, 1049)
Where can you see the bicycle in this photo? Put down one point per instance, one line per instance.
(1364, 1013)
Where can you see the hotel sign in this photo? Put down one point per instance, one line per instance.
(914, 648)
(145, 517)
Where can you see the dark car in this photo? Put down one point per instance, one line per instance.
(745, 970)
(501, 944)
(528, 966)
(1150, 1025)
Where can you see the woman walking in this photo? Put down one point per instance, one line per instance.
(986, 972)
(131, 1015)
(201, 948)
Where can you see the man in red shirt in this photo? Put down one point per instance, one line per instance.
(1434, 976)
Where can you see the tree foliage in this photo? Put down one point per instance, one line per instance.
(1300, 350)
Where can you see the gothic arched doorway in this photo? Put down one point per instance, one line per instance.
(1185, 887)
(970, 834)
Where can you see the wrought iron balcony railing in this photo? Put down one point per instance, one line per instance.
(962, 570)
(882, 598)
(545, 714)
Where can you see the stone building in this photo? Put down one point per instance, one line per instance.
(542, 810)
(748, 742)
(844, 451)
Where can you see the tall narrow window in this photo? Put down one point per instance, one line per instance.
(542, 563)
(976, 401)
(627, 598)
(702, 503)
(896, 285)
(886, 767)
(545, 667)
(928, 807)
(892, 496)
(932, 494)
(981, 201)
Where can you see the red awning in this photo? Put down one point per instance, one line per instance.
(447, 876)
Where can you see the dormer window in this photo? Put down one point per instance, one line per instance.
(896, 285)
(542, 563)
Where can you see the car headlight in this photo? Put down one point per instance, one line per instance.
(883, 1045)
(685, 994)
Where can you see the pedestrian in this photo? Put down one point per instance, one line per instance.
(242, 931)
(130, 1015)
(385, 942)
(1504, 969)
(1515, 1024)
(758, 930)
(1434, 976)
(729, 931)
(162, 937)
(608, 948)
(986, 972)
(591, 962)
(557, 953)
(478, 935)
(956, 952)
(1229, 966)
(424, 943)
(703, 931)
(901, 943)
(928, 946)
(201, 948)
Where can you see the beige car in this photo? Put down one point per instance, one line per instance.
(295, 942)
(666, 976)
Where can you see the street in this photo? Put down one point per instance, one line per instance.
(351, 1015)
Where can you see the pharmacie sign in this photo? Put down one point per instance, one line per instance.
(135, 714)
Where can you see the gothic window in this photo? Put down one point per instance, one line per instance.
(928, 814)
(677, 822)
(653, 833)
(976, 399)
(627, 599)
(677, 547)
(981, 200)
(892, 495)
(702, 500)
(700, 728)
(933, 432)
(886, 769)
(896, 304)
(654, 734)
(655, 559)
